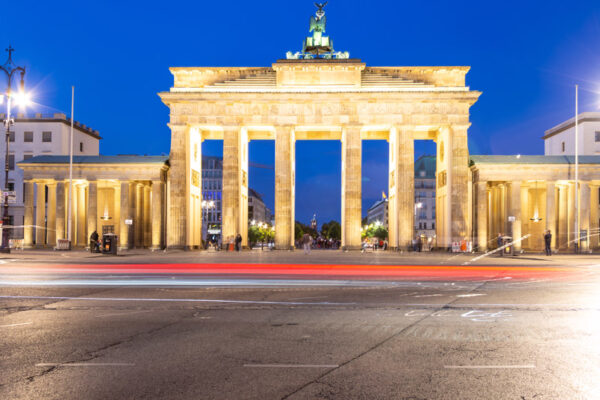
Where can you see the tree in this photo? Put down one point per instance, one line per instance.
(375, 230)
(332, 230)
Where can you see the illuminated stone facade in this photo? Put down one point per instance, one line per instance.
(124, 195)
(523, 196)
(318, 100)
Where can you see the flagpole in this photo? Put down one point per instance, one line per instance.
(577, 244)
(70, 206)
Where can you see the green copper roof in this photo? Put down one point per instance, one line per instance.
(427, 164)
(537, 159)
(121, 159)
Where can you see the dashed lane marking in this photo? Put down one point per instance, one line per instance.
(291, 365)
(20, 324)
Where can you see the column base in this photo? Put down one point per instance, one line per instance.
(290, 248)
(351, 248)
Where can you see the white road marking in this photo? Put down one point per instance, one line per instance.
(123, 313)
(471, 295)
(84, 365)
(22, 323)
(174, 300)
(488, 366)
(291, 365)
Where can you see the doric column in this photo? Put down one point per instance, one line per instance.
(551, 212)
(126, 215)
(138, 223)
(92, 210)
(51, 221)
(40, 215)
(571, 234)
(147, 218)
(482, 215)
(351, 187)
(594, 203)
(179, 179)
(157, 213)
(235, 184)
(28, 221)
(82, 240)
(285, 166)
(193, 197)
(514, 202)
(584, 214)
(526, 227)
(458, 183)
(402, 193)
(563, 226)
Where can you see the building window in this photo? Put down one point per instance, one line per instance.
(11, 136)
(433, 225)
(563, 146)
(28, 137)
(46, 137)
(11, 186)
(11, 162)
(80, 146)
(27, 156)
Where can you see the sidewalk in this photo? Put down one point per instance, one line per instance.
(331, 257)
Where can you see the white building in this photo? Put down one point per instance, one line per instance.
(40, 135)
(378, 212)
(560, 140)
(257, 210)
(425, 196)
(212, 190)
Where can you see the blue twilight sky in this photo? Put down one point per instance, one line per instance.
(525, 57)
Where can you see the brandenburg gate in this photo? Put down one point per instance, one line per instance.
(318, 99)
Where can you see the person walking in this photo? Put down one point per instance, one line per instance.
(548, 242)
(306, 242)
(419, 244)
(238, 242)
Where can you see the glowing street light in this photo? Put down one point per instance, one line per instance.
(21, 99)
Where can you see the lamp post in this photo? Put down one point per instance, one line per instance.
(10, 70)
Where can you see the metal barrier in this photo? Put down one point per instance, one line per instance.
(63, 244)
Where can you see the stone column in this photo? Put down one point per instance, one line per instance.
(482, 215)
(514, 202)
(594, 203)
(235, 184)
(40, 215)
(351, 188)
(403, 177)
(82, 240)
(138, 223)
(584, 214)
(526, 227)
(571, 216)
(60, 210)
(178, 180)
(146, 217)
(285, 166)
(51, 220)
(157, 220)
(28, 221)
(458, 183)
(126, 213)
(551, 212)
(563, 226)
(92, 210)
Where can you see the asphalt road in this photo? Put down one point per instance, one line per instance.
(497, 333)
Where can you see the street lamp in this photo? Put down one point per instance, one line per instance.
(20, 98)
